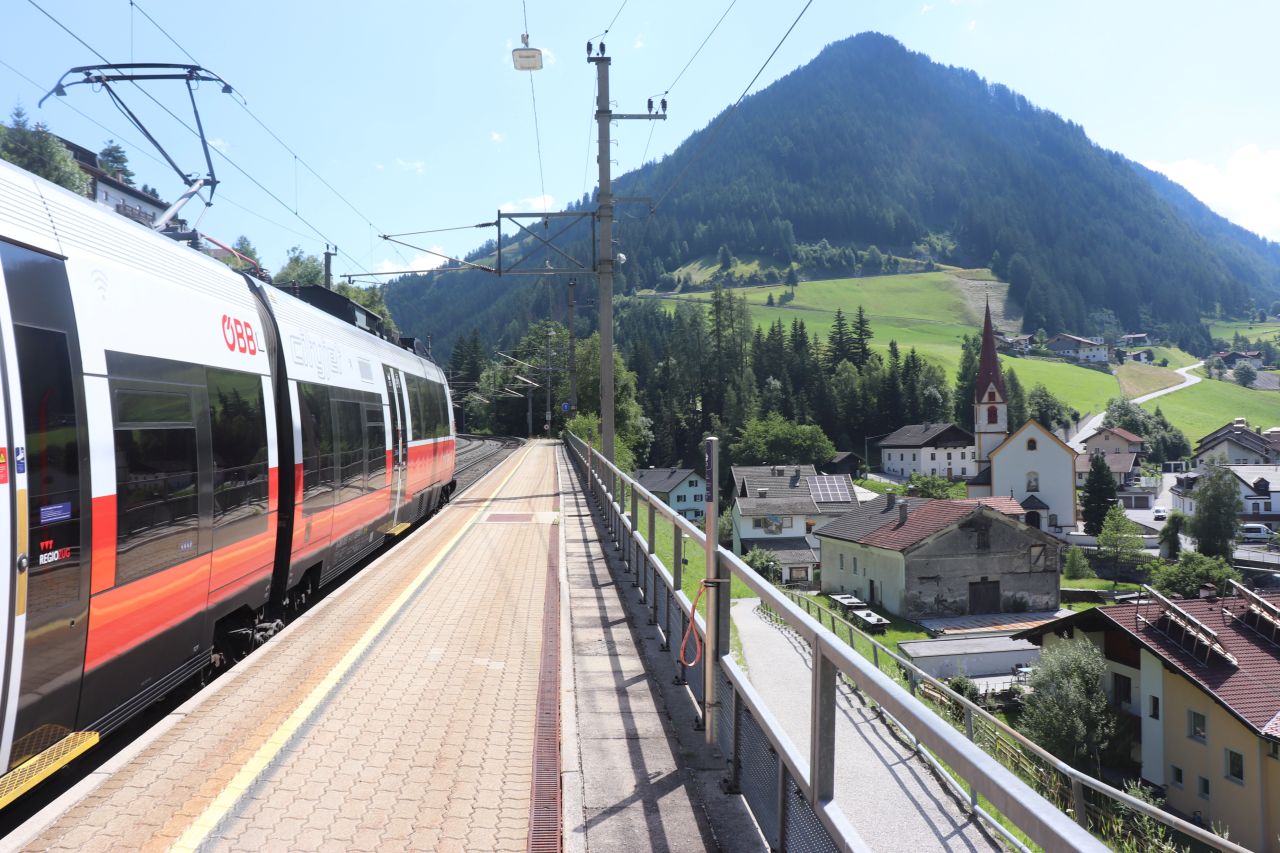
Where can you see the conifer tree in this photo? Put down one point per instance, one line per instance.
(1099, 495)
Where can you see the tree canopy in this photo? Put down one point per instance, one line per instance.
(1218, 508)
(774, 439)
(1189, 572)
(34, 148)
(1067, 711)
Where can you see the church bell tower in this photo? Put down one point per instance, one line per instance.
(990, 405)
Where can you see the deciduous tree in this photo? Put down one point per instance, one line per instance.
(1218, 508)
(1067, 711)
(1189, 572)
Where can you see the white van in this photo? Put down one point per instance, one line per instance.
(1255, 533)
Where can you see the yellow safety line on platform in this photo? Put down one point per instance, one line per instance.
(253, 768)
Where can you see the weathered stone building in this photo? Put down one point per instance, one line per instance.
(922, 558)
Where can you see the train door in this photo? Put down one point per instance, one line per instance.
(399, 449)
(48, 452)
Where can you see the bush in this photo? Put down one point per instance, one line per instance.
(1189, 573)
(1077, 566)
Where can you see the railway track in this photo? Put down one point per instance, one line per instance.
(473, 451)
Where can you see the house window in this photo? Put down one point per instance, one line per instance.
(786, 522)
(1175, 775)
(1154, 713)
(933, 471)
(948, 455)
(964, 472)
(1121, 689)
(842, 562)
(1037, 556)
(1235, 766)
(1202, 787)
(693, 483)
(913, 457)
(1053, 519)
(1031, 444)
(757, 523)
(1197, 726)
(991, 395)
(679, 499)
(992, 416)
(932, 456)
(1033, 481)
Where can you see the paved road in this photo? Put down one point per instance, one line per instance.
(1091, 426)
(890, 796)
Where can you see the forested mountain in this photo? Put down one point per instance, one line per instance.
(873, 145)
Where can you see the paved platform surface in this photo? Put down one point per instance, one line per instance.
(398, 714)
(889, 795)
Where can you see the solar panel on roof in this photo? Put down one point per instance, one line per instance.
(829, 489)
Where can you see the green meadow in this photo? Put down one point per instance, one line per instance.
(1204, 407)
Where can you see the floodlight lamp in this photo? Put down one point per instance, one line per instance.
(526, 58)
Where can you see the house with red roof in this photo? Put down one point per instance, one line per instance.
(919, 558)
(1200, 680)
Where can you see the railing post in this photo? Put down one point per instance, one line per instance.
(717, 596)
(822, 738)
(1078, 803)
(733, 785)
(968, 730)
(677, 557)
(651, 593)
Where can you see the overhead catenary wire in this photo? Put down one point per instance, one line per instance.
(719, 122)
(194, 132)
(298, 159)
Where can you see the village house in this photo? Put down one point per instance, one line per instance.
(1031, 465)
(778, 508)
(1015, 344)
(112, 192)
(1113, 440)
(1236, 444)
(1077, 348)
(1234, 358)
(1200, 680)
(682, 489)
(1141, 356)
(921, 558)
(943, 450)
(1136, 339)
(1124, 468)
(1259, 493)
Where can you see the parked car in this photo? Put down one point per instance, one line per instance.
(1159, 513)
(1255, 533)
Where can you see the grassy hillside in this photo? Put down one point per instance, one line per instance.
(1226, 329)
(1138, 379)
(1204, 407)
(928, 311)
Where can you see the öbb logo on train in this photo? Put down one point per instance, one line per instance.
(238, 335)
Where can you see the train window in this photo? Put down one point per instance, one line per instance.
(157, 499)
(351, 476)
(53, 457)
(417, 407)
(317, 447)
(238, 424)
(376, 441)
(442, 408)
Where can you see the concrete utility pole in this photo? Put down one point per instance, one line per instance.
(547, 423)
(604, 257)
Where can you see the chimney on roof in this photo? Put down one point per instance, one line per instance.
(892, 499)
(774, 470)
(1208, 591)
(762, 493)
(902, 513)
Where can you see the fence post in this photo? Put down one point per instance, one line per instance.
(968, 730)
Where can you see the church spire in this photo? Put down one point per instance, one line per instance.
(988, 365)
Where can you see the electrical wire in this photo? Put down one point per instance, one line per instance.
(719, 122)
(611, 22)
(194, 132)
(298, 160)
(537, 136)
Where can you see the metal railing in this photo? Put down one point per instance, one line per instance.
(792, 795)
(1107, 808)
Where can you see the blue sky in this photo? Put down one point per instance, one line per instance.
(413, 112)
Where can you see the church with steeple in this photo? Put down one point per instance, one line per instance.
(1030, 464)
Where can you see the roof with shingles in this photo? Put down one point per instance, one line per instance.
(880, 525)
(928, 435)
(780, 505)
(1242, 436)
(1117, 463)
(1249, 688)
(664, 479)
(788, 549)
(1119, 433)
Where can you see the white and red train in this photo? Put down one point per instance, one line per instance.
(185, 453)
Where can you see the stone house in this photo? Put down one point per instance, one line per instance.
(921, 558)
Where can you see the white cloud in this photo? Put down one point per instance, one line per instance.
(418, 261)
(532, 204)
(379, 166)
(495, 136)
(927, 8)
(973, 25)
(548, 56)
(1245, 188)
(219, 143)
(418, 167)
(639, 43)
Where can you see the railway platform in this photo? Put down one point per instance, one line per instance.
(440, 700)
